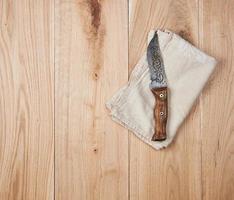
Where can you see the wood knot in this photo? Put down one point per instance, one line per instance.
(95, 150)
(95, 76)
(97, 68)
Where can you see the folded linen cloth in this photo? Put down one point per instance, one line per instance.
(187, 69)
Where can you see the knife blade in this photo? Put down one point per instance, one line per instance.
(158, 87)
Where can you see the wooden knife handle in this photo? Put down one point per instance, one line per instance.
(160, 113)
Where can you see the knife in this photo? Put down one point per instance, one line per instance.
(158, 87)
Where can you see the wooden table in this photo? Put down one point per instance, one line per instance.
(61, 60)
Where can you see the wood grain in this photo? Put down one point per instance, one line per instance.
(91, 160)
(26, 100)
(217, 38)
(173, 173)
(160, 113)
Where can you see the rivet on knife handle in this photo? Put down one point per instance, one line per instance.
(160, 113)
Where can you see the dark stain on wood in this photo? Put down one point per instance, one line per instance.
(185, 34)
(95, 10)
(90, 12)
(182, 20)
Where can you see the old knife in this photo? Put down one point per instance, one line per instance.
(158, 87)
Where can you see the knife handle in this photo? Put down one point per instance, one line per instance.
(160, 113)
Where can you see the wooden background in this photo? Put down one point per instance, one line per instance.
(61, 60)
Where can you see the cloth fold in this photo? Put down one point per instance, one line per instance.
(187, 69)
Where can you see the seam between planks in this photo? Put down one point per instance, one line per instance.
(129, 138)
(54, 92)
(201, 97)
(200, 33)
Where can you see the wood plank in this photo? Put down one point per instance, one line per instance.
(26, 100)
(173, 173)
(217, 38)
(91, 64)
